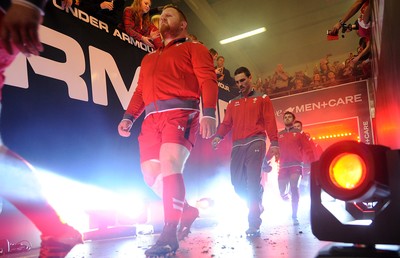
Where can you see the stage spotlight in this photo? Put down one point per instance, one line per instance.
(355, 192)
(205, 203)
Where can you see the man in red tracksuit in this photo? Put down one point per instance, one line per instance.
(295, 150)
(169, 87)
(251, 117)
(19, 25)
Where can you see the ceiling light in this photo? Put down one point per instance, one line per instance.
(243, 35)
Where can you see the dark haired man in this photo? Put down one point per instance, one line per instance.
(213, 53)
(251, 118)
(295, 150)
(170, 83)
(19, 24)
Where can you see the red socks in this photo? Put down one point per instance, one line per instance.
(173, 198)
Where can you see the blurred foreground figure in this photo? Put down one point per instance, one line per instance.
(19, 23)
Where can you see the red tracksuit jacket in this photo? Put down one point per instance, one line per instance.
(250, 117)
(174, 77)
(294, 148)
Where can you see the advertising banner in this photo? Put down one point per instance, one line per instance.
(330, 104)
(61, 109)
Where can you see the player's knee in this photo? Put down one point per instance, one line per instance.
(150, 171)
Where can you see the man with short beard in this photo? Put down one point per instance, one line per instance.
(170, 83)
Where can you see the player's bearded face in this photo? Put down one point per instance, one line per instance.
(170, 29)
(164, 27)
(170, 24)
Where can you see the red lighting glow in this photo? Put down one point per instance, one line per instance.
(347, 171)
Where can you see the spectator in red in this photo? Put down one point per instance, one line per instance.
(137, 24)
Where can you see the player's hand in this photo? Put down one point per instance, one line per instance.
(124, 128)
(215, 142)
(208, 127)
(275, 152)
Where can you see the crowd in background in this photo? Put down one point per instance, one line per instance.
(357, 66)
(326, 73)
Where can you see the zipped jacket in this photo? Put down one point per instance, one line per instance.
(250, 118)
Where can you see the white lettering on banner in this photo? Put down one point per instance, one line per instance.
(19, 68)
(125, 37)
(278, 113)
(324, 104)
(101, 63)
(70, 72)
(366, 132)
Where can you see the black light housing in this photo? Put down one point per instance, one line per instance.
(355, 194)
(352, 171)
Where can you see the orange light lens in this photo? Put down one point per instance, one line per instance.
(347, 171)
